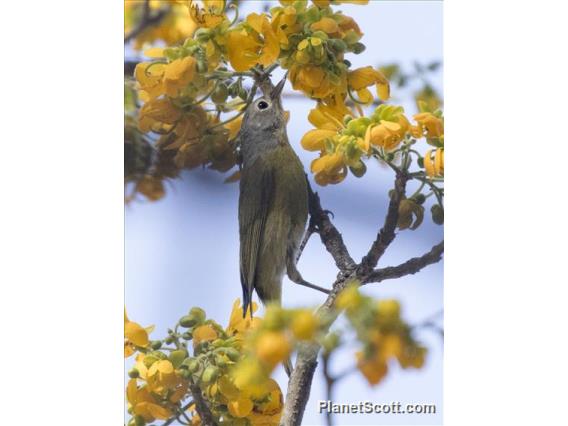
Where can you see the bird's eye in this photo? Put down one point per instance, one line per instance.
(262, 105)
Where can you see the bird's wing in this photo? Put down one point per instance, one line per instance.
(257, 187)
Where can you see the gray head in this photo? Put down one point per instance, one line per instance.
(264, 124)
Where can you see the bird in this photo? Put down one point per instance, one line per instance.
(273, 201)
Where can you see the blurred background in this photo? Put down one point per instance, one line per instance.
(182, 250)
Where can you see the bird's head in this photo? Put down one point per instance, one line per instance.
(265, 113)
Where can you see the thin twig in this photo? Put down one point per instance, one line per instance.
(201, 406)
(387, 233)
(148, 20)
(409, 267)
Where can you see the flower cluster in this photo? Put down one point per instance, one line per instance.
(163, 375)
(170, 22)
(343, 141)
(382, 332)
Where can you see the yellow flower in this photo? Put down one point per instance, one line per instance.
(313, 80)
(391, 128)
(158, 115)
(273, 347)
(175, 25)
(374, 368)
(434, 167)
(151, 187)
(142, 403)
(389, 308)
(208, 16)
(410, 214)
(412, 356)
(284, 23)
(150, 80)
(432, 125)
(328, 118)
(253, 43)
(161, 376)
(360, 78)
(349, 298)
(204, 333)
(134, 336)
(304, 325)
(325, 3)
(240, 407)
(238, 325)
(178, 74)
(250, 377)
(325, 24)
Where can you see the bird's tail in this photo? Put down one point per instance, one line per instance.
(288, 366)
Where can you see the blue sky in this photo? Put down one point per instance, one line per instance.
(183, 251)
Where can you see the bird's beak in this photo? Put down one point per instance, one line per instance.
(275, 94)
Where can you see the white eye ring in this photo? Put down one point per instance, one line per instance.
(262, 104)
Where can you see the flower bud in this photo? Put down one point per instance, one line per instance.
(187, 321)
(419, 198)
(437, 214)
(198, 314)
(359, 169)
(133, 373)
(177, 357)
(156, 344)
(331, 341)
(210, 374)
(192, 364)
(358, 48)
(232, 353)
(187, 335)
(220, 94)
(202, 34)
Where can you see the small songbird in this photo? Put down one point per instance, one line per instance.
(273, 201)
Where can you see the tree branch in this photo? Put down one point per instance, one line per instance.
(201, 406)
(387, 233)
(411, 266)
(300, 383)
(148, 20)
(330, 236)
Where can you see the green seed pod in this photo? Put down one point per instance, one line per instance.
(202, 34)
(359, 170)
(437, 214)
(358, 48)
(187, 321)
(187, 335)
(220, 94)
(419, 198)
(192, 364)
(156, 344)
(221, 361)
(177, 357)
(133, 373)
(201, 66)
(232, 353)
(330, 342)
(243, 94)
(169, 340)
(210, 374)
(338, 45)
(198, 314)
(149, 360)
(233, 90)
